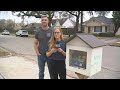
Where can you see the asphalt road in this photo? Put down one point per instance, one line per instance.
(20, 45)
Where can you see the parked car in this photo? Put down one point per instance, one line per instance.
(22, 33)
(5, 32)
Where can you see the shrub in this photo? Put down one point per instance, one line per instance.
(68, 31)
(95, 34)
(108, 34)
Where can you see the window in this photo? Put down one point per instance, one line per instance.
(98, 29)
(105, 28)
(77, 59)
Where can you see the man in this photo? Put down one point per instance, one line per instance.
(42, 37)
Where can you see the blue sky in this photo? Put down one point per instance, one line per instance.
(8, 15)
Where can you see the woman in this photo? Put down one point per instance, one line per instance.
(56, 54)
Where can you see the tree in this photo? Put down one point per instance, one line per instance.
(81, 21)
(10, 24)
(36, 14)
(99, 13)
(116, 20)
(77, 15)
(80, 14)
(2, 24)
(65, 14)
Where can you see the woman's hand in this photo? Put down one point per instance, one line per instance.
(53, 50)
(59, 50)
(49, 53)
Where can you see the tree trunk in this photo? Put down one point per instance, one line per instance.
(77, 22)
(51, 14)
(81, 21)
(50, 21)
(116, 29)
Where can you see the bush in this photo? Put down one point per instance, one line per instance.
(95, 34)
(79, 32)
(108, 34)
(68, 31)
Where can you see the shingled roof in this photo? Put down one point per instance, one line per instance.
(61, 21)
(104, 19)
(89, 39)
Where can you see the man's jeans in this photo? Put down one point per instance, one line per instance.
(42, 59)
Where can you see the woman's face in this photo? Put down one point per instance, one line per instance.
(57, 34)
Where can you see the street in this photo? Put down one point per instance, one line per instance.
(20, 45)
(23, 46)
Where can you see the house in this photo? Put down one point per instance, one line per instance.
(64, 23)
(33, 25)
(118, 32)
(98, 24)
(84, 54)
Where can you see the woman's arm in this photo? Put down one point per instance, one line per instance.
(49, 53)
(61, 51)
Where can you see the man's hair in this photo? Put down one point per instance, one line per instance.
(44, 16)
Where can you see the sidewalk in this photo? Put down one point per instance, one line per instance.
(16, 67)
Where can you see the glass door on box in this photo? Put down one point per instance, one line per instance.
(77, 58)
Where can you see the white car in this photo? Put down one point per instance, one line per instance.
(5, 32)
(22, 33)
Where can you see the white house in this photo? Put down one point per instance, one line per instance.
(84, 54)
(64, 23)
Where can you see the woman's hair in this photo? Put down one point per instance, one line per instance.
(52, 40)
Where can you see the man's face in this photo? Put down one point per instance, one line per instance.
(44, 21)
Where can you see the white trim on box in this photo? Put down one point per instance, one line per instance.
(82, 71)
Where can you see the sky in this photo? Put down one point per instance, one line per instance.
(8, 15)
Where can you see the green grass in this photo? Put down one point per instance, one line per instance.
(118, 36)
(100, 37)
(3, 53)
(117, 44)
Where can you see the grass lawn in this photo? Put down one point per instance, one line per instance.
(117, 44)
(3, 53)
(100, 37)
(118, 36)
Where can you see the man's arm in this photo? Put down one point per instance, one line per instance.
(36, 44)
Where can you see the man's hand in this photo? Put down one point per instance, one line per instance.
(38, 54)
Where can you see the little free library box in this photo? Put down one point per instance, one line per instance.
(84, 54)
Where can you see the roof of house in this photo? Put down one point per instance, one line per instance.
(102, 19)
(73, 22)
(89, 39)
(61, 21)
